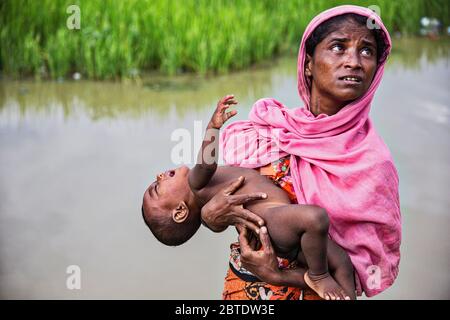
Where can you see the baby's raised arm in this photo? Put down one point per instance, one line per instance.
(206, 165)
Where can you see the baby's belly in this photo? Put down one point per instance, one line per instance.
(275, 195)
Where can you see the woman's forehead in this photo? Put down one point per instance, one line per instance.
(351, 32)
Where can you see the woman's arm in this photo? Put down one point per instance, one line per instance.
(264, 263)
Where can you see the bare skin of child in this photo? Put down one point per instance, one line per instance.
(172, 207)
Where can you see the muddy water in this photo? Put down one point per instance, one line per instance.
(76, 157)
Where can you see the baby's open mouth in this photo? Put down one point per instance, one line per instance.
(169, 173)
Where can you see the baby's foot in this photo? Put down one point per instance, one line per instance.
(325, 286)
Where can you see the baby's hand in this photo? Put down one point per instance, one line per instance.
(220, 116)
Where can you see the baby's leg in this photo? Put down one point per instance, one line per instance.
(341, 268)
(311, 225)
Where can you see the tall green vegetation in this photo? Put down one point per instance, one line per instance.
(123, 38)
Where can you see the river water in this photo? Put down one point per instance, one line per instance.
(76, 157)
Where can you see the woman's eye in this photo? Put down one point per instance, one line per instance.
(366, 51)
(336, 48)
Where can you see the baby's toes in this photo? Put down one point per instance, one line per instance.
(341, 295)
(346, 296)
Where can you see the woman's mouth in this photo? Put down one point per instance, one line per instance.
(352, 80)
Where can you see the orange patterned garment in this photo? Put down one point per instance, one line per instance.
(240, 284)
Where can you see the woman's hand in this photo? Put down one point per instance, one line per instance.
(262, 263)
(226, 209)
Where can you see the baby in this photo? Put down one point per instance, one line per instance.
(173, 203)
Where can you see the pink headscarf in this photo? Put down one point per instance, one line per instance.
(338, 162)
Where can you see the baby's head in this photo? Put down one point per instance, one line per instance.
(169, 207)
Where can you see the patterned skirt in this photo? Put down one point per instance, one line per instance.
(240, 284)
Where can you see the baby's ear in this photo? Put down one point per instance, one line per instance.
(180, 213)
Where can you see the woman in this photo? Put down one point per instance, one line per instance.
(326, 153)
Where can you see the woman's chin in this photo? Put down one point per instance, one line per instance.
(348, 96)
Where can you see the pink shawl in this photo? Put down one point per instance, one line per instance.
(338, 162)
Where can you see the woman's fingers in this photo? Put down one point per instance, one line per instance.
(248, 224)
(265, 240)
(250, 216)
(234, 186)
(240, 227)
(254, 241)
(243, 243)
(244, 198)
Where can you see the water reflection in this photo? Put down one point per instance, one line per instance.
(158, 95)
(183, 94)
(413, 53)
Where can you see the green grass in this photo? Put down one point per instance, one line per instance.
(120, 39)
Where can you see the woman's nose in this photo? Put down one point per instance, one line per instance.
(353, 60)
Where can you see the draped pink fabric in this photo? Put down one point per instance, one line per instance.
(338, 162)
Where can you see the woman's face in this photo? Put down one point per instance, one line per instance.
(344, 63)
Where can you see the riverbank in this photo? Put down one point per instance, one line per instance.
(124, 39)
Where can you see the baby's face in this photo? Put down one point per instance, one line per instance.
(168, 190)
